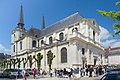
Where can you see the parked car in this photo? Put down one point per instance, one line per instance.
(27, 73)
(30, 71)
(113, 69)
(12, 73)
(115, 75)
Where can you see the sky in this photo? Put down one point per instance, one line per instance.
(53, 11)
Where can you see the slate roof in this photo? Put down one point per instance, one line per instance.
(33, 32)
(56, 26)
(61, 24)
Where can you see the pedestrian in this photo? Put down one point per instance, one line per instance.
(34, 73)
(90, 71)
(55, 72)
(24, 74)
(81, 72)
(51, 72)
(86, 71)
(41, 71)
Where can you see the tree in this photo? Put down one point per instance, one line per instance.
(1, 64)
(115, 16)
(30, 61)
(24, 62)
(50, 57)
(8, 62)
(14, 61)
(19, 62)
(4, 64)
(38, 59)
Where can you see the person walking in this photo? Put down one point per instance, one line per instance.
(90, 71)
(86, 71)
(51, 72)
(34, 73)
(24, 74)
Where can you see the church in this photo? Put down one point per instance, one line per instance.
(74, 42)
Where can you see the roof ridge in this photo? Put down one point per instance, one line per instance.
(63, 19)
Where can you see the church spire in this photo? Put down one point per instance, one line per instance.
(21, 18)
(43, 22)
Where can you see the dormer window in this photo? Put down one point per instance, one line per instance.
(61, 36)
(36, 36)
(50, 40)
(93, 22)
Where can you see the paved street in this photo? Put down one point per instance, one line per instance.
(55, 78)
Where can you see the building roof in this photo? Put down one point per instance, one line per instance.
(113, 51)
(61, 24)
(34, 32)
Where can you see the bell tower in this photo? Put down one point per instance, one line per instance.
(19, 32)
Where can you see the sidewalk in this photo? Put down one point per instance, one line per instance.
(56, 78)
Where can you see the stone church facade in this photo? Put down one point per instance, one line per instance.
(74, 40)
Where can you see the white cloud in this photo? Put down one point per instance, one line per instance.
(104, 33)
(4, 50)
(1, 47)
(116, 44)
(107, 43)
(107, 40)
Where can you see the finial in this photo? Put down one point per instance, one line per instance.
(20, 2)
(21, 18)
(43, 22)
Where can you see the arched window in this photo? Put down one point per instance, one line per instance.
(20, 45)
(61, 36)
(90, 54)
(64, 55)
(48, 57)
(93, 35)
(42, 42)
(14, 48)
(83, 51)
(33, 43)
(50, 40)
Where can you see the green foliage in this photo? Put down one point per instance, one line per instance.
(118, 3)
(38, 59)
(30, 61)
(50, 57)
(1, 64)
(115, 16)
(24, 62)
(14, 62)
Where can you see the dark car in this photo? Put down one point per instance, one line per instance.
(11, 73)
(113, 69)
(30, 71)
(115, 75)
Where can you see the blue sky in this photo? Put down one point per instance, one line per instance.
(53, 11)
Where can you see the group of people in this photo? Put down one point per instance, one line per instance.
(66, 72)
(69, 72)
(92, 71)
(86, 71)
(34, 73)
